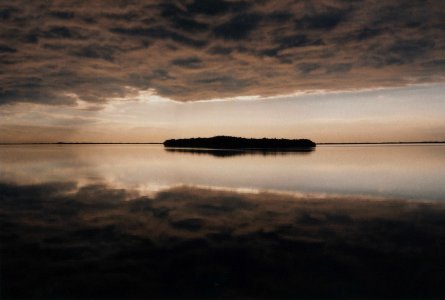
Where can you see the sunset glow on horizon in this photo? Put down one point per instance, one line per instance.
(331, 70)
(412, 113)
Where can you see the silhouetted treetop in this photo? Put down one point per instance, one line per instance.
(230, 142)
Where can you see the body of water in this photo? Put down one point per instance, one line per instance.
(144, 222)
(399, 171)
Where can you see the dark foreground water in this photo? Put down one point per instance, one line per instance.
(101, 222)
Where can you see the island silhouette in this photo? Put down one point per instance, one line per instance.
(230, 142)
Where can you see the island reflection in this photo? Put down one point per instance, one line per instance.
(241, 152)
(62, 240)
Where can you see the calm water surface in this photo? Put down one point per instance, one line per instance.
(401, 171)
(141, 222)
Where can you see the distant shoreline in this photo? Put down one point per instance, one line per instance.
(160, 143)
(382, 143)
(81, 143)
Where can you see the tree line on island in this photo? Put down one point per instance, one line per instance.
(230, 142)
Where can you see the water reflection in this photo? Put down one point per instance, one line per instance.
(406, 172)
(238, 152)
(68, 240)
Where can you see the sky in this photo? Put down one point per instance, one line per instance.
(146, 71)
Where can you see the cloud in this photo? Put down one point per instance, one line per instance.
(189, 62)
(325, 20)
(339, 68)
(237, 28)
(60, 239)
(6, 49)
(199, 49)
(306, 68)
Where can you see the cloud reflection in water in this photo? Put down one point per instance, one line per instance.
(61, 240)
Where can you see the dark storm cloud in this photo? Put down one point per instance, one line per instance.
(60, 51)
(339, 68)
(325, 20)
(61, 32)
(62, 14)
(189, 62)
(216, 7)
(61, 240)
(95, 51)
(6, 49)
(306, 68)
(237, 28)
(367, 33)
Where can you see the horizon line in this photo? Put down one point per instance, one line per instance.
(160, 143)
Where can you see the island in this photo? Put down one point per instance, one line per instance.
(230, 142)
